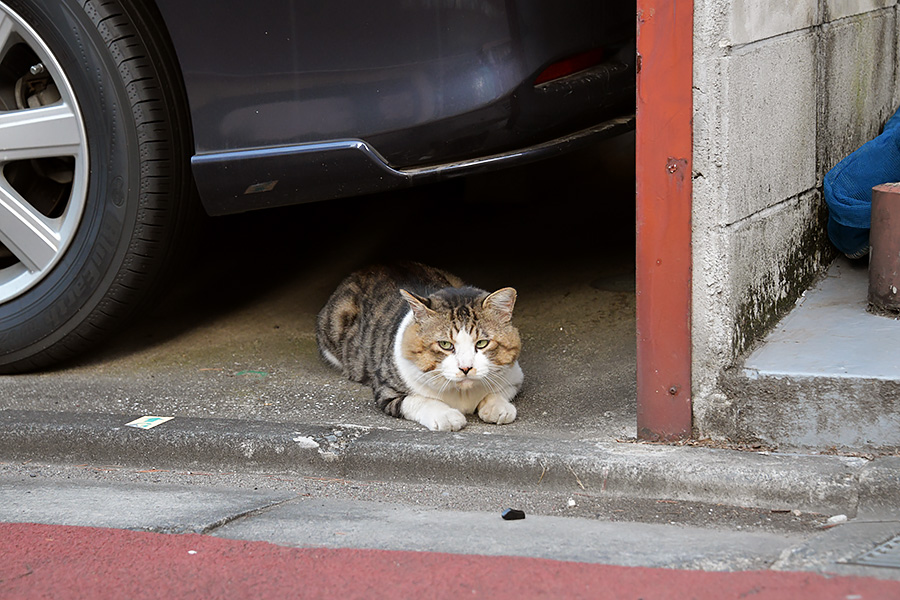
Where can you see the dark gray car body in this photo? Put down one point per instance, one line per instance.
(293, 100)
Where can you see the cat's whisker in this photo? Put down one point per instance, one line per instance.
(501, 381)
(425, 377)
(488, 380)
(499, 378)
(436, 379)
(428, 377)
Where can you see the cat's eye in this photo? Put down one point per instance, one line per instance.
(482, 344)
(445, 345)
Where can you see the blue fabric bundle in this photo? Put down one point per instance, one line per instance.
(848, 188)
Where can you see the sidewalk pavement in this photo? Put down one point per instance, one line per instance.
(70, 562)
(372, 531)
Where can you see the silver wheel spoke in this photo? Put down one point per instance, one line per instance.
(6, 28)
(38, 133)
(43, 159)
(25, 232)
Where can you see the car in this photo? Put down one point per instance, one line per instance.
(117, 115)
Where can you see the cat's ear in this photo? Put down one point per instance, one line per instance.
(418, 304)
(501, 302)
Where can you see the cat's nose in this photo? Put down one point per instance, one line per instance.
(465, 370)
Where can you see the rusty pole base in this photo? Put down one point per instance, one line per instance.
(884, 259)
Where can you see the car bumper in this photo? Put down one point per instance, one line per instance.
(230, 181)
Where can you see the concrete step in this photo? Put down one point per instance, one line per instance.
(827, 377)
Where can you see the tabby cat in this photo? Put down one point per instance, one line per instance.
(432, 349)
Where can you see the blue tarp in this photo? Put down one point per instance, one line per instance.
(848, 188)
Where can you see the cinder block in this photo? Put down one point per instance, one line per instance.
(774, 257)
(769, 120)
(753, 20)
(839, 9)
(746, 277)
(859, 83)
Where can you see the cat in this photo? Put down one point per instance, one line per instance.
(432, 349)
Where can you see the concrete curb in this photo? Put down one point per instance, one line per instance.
(825, 484)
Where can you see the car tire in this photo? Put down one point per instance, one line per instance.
(90, 217)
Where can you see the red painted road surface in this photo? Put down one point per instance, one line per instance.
(47, 561)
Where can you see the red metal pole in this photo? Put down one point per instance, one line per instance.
(664, 143)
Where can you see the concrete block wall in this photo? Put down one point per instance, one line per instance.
(782, 92)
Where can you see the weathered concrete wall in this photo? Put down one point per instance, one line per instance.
(782, 92)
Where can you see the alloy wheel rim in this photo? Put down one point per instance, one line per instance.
(43, 158)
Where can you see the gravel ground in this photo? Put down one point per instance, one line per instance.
(233, 337)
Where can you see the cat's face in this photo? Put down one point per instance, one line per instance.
(462, 336)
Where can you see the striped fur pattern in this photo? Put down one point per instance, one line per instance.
(431, 348)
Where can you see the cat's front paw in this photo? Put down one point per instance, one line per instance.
(433, 414)
(494, 409)
(445, 420)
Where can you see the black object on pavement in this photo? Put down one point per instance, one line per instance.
(511, 514)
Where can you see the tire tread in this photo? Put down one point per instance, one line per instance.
(166, 203)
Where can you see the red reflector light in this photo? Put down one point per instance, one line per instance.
(570, 65)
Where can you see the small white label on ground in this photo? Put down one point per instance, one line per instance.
(148, 422)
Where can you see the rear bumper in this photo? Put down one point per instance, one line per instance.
(239, 181)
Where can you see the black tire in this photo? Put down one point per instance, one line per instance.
(119, 65)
